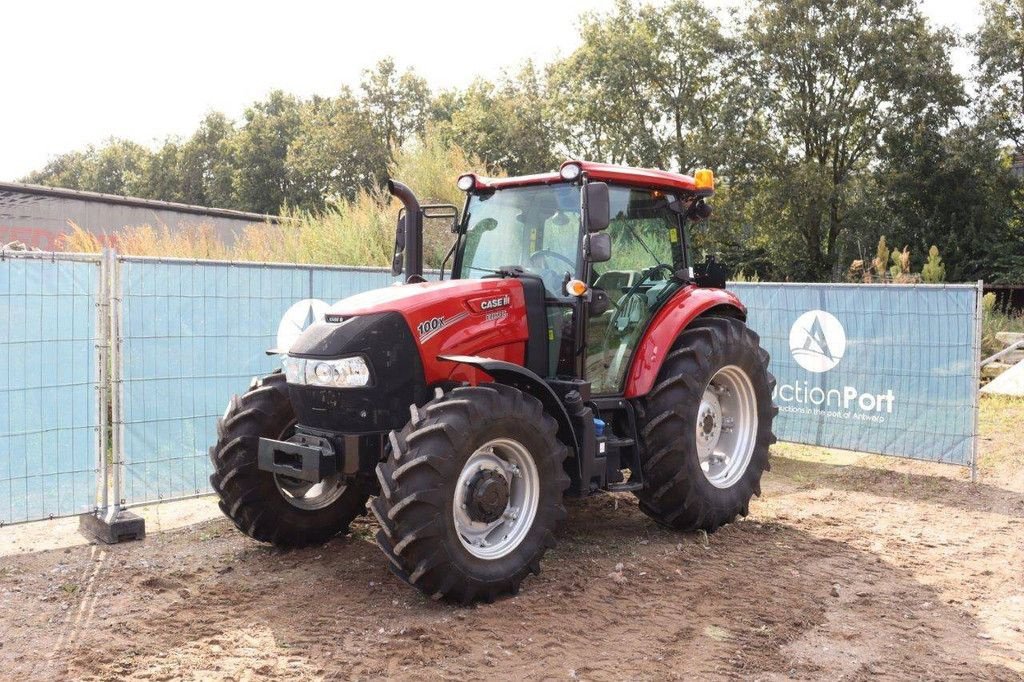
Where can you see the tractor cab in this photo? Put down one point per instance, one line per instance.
(599, 249)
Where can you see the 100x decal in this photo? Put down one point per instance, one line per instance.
(428, 329)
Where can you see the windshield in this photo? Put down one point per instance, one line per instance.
(537, 228)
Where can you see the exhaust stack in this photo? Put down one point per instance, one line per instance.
(413, 247)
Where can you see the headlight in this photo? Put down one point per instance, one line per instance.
(350, 372)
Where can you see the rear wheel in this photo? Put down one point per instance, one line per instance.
(284, 511)
(707, 427)
(471, 493)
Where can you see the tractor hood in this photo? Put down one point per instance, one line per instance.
(456, 317)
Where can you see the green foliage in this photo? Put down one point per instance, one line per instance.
(995, 319)
(934, 271)
(503, 124)
(397, 103)
(349, 231)
(644, 86)
(826, 121)
(988, 302)
(999, 46)
(900, 265)
(837, 74)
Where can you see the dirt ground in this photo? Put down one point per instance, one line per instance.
(849, 567)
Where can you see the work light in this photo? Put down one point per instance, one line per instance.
(466, 182)
(570, 171)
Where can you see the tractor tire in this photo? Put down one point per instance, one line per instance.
(282, 511)
(471, 493)
(713, 390)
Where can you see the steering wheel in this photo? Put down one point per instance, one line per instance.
(552, 279)
(554, 254)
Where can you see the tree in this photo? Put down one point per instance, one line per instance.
(999, 46)
(836, 74)
(73, 170)
(603, 102)
(260, 149)
(207, 164)
(334, 153)
(117, 167)
(398, 104)
(504, 124)
(952, 188)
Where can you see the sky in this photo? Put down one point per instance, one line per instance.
(77, 73)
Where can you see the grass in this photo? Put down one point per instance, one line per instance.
(1000, 455)
(997, 319)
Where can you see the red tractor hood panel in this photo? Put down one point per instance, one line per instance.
(483, 317)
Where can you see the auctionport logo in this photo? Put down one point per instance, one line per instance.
(817, 340)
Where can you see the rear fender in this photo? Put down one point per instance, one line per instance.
(671, 319)
(526, 381)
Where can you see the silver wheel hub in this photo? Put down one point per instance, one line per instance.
(496, 498)
(726, 426)
(305, 495)
(310, 496)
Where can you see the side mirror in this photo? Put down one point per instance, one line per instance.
(700, 210)
(598, 247)
(595, 206)
(396, 259)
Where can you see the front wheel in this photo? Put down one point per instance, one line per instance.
(284, 511)
(471, 493)
(707, 427)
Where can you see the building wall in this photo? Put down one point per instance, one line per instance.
(38, 216)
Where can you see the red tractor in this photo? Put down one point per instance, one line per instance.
(575, 348)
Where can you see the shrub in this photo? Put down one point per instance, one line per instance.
(934, 270)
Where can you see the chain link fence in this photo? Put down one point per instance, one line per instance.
(114, 369)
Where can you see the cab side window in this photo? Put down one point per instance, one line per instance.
(646, 250)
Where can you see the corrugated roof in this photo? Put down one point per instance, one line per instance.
(116, 199)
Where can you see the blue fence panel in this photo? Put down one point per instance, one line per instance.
(889, 369)
(193, 334)
(48, 386)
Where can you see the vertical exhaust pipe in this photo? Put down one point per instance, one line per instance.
(413, 230)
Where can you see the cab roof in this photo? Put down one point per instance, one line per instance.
(601, 172)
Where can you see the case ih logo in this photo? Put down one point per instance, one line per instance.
(817, 341)
(492, 303)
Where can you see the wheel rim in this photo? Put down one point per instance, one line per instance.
(303, 494)
(310, 496)
(726, 426)
(500, 467)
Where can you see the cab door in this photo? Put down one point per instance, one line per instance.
(646, 252)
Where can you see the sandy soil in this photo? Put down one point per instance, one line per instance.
(850, 567)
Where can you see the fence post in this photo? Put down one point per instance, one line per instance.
(113, 524)
(103, 383)
(116, 421)
(979, 313)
